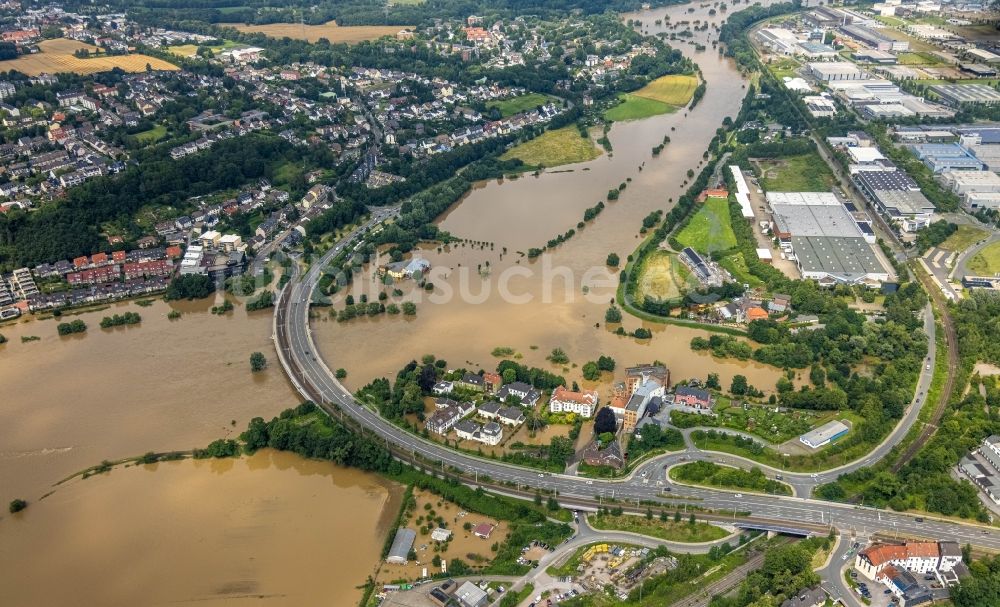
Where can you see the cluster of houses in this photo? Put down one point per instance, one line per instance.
(495, 414)
(747, 309)
(88, 279)
(250, 121)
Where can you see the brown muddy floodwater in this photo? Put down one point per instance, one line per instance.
(271, 529)
(70, 402)
(274, 526)
(555, 300)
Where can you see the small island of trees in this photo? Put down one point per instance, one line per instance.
(69, 328)
(119, 320)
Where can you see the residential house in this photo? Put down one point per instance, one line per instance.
(443, 420)
(441, 403)
(483, 530)
(583, 403)
(693, 397)
(808, 597)
(442, 387)
(467, 429)
(917, 557)
(527, 395)
(780, 303)
(491, 434)
(472, 381)
(490, 410)
(610, 455)
(511, 416)
(492, 382)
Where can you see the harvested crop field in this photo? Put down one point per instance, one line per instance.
(555, 148)
(56, 56)
(661, 275)
(675, 89)
(330, 30)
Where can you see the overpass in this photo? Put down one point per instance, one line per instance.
(314, 380)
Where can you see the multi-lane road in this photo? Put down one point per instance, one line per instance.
(312, 377)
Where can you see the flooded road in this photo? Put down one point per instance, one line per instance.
(271, 529)
(486, 298)
(70, 402)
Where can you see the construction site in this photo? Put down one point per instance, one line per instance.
(623, 567)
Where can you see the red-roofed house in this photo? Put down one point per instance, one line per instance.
(476, 34)
(483, 530)
(492, 382)
(173, 252)
(118, 256)
(81, 262)
(99, 258)
(918, 557)
(756, 313)
(564, 400)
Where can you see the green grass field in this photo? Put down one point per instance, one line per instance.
(963, 238)
(728, 478)
(669, 530)
(986, 262)
(737, 266)
(890, 20)
(555, 148)
(153, 135)
(805, 173)
(920, 58)
(710, 228)
(516, 105)
(634, 107)
(661, 275)
(784, 67)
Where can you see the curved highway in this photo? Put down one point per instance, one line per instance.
(313, 379)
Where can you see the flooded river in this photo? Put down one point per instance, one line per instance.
(274, 526)
(556, 300)
(70, 402)
(271, 529)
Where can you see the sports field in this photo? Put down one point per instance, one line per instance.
(522, 103)
(56, 56)
(660, 96)
(710, 228)
(555, 148)
(190, 50)
(330, 30)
